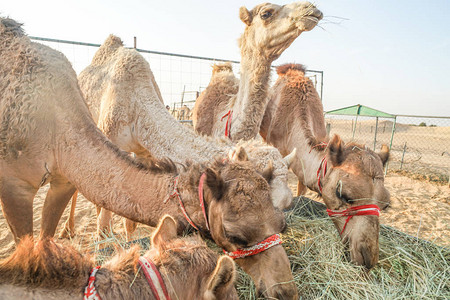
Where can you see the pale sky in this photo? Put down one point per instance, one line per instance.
(390, 55)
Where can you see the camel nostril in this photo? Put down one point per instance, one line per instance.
(367, 256)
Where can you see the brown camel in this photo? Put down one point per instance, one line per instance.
(48, 136)
(125, 102)
(189, 270)
(354, 177)
(270, 29)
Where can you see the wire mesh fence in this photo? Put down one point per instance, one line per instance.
(419, 144)
(180, 77)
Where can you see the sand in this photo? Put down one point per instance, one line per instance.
(419, 208)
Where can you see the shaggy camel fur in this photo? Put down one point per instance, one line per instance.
(189, 269)
(48, 135)
(270, 29)
(294, 119)
(120, 91)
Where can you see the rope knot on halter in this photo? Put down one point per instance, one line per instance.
(228, 124)
(361, 210)
(269, 242)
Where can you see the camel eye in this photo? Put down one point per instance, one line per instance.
(343, 196)
(238, 241)
(266, 15)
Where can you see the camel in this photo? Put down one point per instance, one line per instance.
(125, 102)
(182, 113)
(354, 175)
(48, 135)
(188, 270)
(235, 108)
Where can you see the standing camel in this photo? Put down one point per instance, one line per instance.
(353, 175)
(188, 270)
(48, 136)
(270, 29)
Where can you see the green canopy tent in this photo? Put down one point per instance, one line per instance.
(361, 110)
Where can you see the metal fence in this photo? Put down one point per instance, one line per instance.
(419, 144)
(180, 77)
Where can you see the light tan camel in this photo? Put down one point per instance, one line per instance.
(294, 119)
(270, 30)
(124, 100)
(182, 113)
(189, 270)
(48, 135)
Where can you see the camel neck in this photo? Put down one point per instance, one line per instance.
(313, 161)
(109, 178)
(178, 142)
(251, 101)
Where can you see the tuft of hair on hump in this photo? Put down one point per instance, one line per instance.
(224, 67)
(45, 264)
(283, 69)
(10, 27)
(106, 50)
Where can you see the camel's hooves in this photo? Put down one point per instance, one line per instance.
(66, 233)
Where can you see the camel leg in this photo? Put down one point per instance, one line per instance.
(104, 222)
(69, 227)
(58, 197)
(130, 227)
(17, 205)
(301, 188)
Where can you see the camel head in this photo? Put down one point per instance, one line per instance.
(241, 215)
(261, 156)
(194, 270)
(272, 28)
(355, 178)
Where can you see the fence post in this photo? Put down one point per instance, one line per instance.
(375, 137)
(403, 155)
(135, 42)
(182, 96)
(390, 144)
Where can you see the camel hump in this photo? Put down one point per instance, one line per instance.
(283, 69)
(9, 26)
(224, 67)
(106, 50)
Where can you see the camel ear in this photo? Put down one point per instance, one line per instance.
(238, 154)
(245, 15)
(215, 183)
(384, 154)
(268, 172)
(289, 159)
(166, 231)
(336, 150)
(222, 279)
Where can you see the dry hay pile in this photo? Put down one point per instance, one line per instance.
(409, 268)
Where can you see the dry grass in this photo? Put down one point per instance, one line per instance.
(409, 268)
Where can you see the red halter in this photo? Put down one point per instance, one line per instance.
(361, 210)
(90, 293)
(151, 273)
(180, 201)
(154, 279)
(323, 168)
(260, 247)
(228, 124)
(271, 241)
